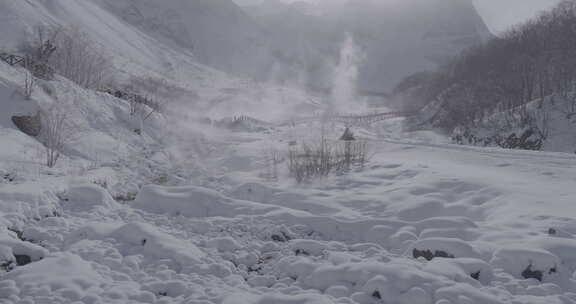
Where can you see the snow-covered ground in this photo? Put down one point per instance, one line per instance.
(188, 207)
(422, 222)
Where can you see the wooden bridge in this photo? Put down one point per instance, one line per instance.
(355, 119)
(367, 119)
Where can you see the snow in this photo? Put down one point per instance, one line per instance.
(208, 227)
(60, 272)
(193, 202)
(86, 196)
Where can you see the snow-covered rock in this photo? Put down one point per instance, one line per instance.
(527, 263)
(62, 271)
(83, 197)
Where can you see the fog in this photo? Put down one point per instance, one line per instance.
(499, 15)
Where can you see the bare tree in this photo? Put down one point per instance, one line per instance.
(70, 53)
(28, 85)
(80, 59)
(56, 132)
(314, 161)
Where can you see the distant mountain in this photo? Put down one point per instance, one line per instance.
(398, 38)
(271, 41)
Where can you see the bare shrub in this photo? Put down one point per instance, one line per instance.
(28, 85)
(80, 59)
(56, 132)
(313, 161)
(38, 52)
(273, 159)
(70, 53)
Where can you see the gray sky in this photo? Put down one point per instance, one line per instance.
(501, 14)
(498, 14)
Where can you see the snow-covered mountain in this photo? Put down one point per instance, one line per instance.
(398, 38)
(273, 41)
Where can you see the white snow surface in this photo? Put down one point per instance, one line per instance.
(189, 212)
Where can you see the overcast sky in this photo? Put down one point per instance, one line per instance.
(501, 14)
(498, 14)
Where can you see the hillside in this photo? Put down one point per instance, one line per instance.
(517, 85)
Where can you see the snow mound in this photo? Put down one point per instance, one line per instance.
(308, 247)
(63, 271)
(141, 238)
(527, 263)
(243, 298)
(389, 282)
(87, 196)
(16, 252)
(224, 244)
(442, 248)
(194, 202)
(464, 270)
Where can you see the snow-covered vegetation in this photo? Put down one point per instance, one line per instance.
(173, 182)
(518, 85)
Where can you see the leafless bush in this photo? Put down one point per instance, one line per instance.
(28, 85)
(56, 132)
(80, 59)
(531, 61)
(273, 159)
(314, 161)
(70, 53)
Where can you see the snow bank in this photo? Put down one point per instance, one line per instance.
(391, 280)
(527, 263)
(141, 238)
(464, 270)
(442, 247)
(83, 197)
(244, 298)
(14, 252)
(57, 272)
(194, 202)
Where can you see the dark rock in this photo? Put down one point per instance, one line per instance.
(475, 275)
(301, 252)
(22, 259)
(278, 238)
(29, 125)
(528, 273)
(429, 255)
